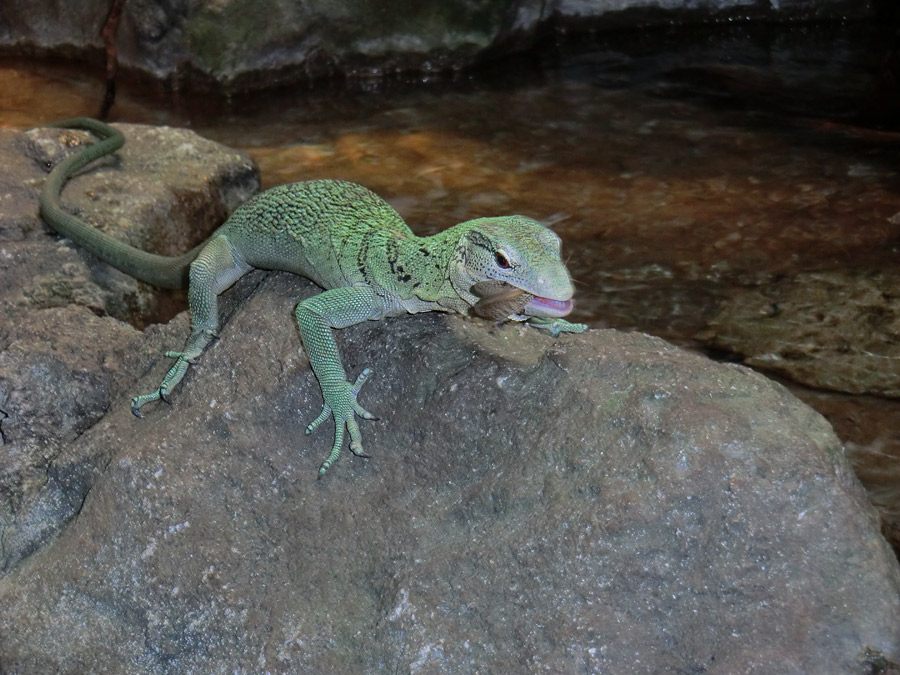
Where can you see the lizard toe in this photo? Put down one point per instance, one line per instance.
(362, 412)
(139, 401)
(357, 449)
(360, 381)
(356, 446)
(324, 415)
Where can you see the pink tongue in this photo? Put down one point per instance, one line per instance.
(558, 307)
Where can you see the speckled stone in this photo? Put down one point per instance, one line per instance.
(599, 503)
(66, 353)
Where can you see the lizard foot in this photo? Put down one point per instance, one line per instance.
(138, 401)
(343, 407)
(173, 377)
(557, 326)
(183, 360)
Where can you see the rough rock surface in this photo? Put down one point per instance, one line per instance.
(600, 503)
(65, 353)
(164, 191)
(597, 503)
(834, 331)
(249, 44)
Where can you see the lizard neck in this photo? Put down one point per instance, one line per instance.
(433, 270)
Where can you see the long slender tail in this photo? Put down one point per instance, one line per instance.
(159, 270)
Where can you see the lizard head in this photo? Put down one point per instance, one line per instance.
(514, 252)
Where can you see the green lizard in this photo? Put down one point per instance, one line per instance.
(354, 245)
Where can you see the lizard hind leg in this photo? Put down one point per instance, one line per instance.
(215, 269)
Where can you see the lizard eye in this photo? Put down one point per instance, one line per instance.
(501, 260)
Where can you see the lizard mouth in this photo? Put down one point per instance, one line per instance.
(549, 308)
(501, 300)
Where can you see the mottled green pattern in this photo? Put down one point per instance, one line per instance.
(350, 242)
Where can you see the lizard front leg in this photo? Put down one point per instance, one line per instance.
(316, 316)
(556, 326)
(215, 269)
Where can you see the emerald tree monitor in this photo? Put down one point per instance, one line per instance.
(353, 244)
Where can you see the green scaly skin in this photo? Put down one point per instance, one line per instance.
(350, 242)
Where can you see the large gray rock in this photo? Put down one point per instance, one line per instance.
(65, 353)
(249, 44)
(602, 503)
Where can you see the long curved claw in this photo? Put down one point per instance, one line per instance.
(139, 401)
(356, 439)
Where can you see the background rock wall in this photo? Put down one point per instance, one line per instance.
(236, 45)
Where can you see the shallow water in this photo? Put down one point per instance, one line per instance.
(679, 165)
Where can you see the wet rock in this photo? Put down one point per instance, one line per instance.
(238, 45)
(600, 503)
(65, 353)
(833, 330)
